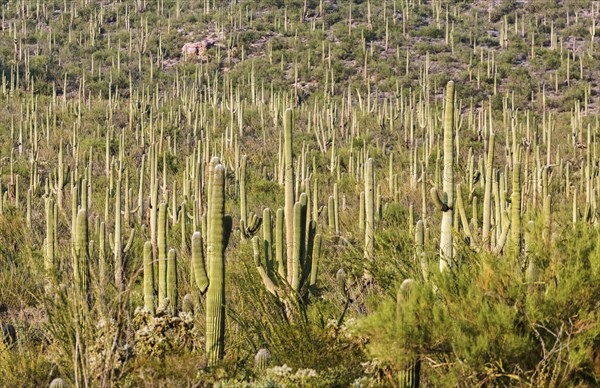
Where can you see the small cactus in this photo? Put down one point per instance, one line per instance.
(188, 304)
(262, 359)
(58, 383)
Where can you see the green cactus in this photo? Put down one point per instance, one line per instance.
(50, 237)
(162, 252)
(81, 260)
(370, 210)
(198, 262)
(262, 359)
(268, 238)
(304, 265)
(487, 196)
(289, 192)
(420, 249)
(444, 201)
(188, 304)
(148, 279)
(119, 249)
(279, 243)
(172, 281)
(410, 376)
(58, 383)
(516, 231)
(220, 229)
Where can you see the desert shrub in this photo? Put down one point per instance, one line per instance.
(490, 321)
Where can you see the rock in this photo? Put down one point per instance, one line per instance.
(197, 50)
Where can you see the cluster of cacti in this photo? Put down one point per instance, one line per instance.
(297, 259)
(124, 145)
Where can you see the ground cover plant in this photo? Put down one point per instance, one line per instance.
(299, 193)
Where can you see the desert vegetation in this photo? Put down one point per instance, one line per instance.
(299, 193)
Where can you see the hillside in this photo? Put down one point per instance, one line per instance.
(299, 193)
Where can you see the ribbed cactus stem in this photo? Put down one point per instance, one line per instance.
(336, 208)
(299, 241)
(262, 359)
(487, 195)
(172, 281)
(162, 252)
(148, 279)
(49, 252)
(102, 255)
(369, 210)
(516, 231)
(316, 252)
(289, 192)
(118, 241)
(420, 248)
(198, 262)
(268, 239)
(215, 301)
(446, 247)
(279, 243)
(409, 377)
(361, 212)
(81, 263)
(242, 179)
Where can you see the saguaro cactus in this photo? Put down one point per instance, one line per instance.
(172, 281)
(148, 278)
(410, 376)
(516, 231)
(304, 264)
(215, 301)
(370, 210)
(289, 191)
(50, 235)
(81, 259)
(213, 281)
(444, 200)
(162, 252)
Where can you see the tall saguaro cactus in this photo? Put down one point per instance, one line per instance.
(370, 209)
(162, 252)
(50, 237)
(213, 281)
(148, 278)
(289, 192)
(215, 301)
(516, 231)
(81, 259)
(444, 200)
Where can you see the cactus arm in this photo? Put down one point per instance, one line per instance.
(198, 262)
(267, 281)
(316, 252)
(129, 241)
(437, 200)
(461, 211)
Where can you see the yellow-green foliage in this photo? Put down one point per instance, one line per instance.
(486, 323)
